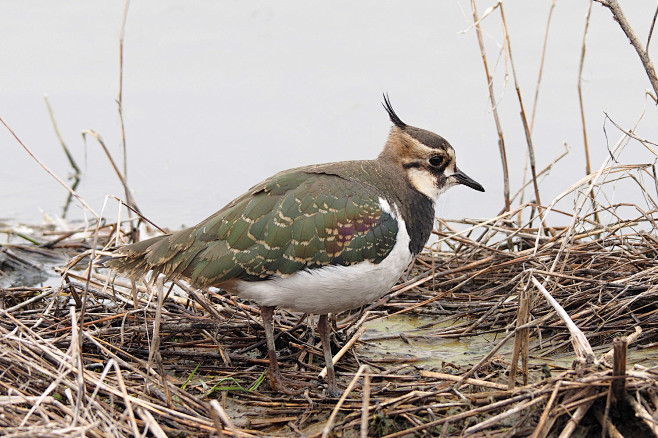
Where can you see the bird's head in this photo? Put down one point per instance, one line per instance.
(427, 158)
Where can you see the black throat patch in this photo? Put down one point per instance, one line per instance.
(418, 214)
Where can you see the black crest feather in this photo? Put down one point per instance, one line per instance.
(391, 113)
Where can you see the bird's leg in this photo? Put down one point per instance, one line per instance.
(325, 335)
(277, 382)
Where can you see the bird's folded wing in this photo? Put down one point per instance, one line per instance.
(291, 222)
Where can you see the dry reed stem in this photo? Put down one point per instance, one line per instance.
(365, 403)
(642, 413)
(630, 339)
(520, 340)
(541, 430)
(498, 418)
(50, 172)
(541, 64)
(607, 426)
(468, 381)
(68, 154)
(524, 120)
(581, 346)
(122, 178)
(224, 417)
(494, 106)
(581, 65)
(78, 359)
(613, 264)
(332, 418)
(620, 18)
(122, 35)
(151, 423)
(618, 386)
(578, 415)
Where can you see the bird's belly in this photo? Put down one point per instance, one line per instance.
(331, 289)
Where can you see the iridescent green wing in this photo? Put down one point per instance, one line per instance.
(291, 222)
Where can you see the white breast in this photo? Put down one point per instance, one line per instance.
(333, 289)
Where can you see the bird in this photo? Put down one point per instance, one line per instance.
(319, 239)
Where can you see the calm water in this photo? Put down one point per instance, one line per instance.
(219, 95)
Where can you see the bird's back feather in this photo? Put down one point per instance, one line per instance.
(296, 220)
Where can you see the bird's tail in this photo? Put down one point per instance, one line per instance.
(135, 260)
(177, 255)
(169, 254)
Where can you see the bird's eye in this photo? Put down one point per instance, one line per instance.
(436, 161)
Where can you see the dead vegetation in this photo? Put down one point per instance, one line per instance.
(102, 357)
(561, 302)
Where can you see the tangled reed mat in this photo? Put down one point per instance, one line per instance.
(500, 330)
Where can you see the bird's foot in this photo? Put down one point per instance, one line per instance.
(287, 386)
(334, 392)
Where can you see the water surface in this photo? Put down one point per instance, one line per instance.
(219, 95)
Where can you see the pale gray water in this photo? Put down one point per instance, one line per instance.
(221, 94)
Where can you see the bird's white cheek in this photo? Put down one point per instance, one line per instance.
(425, 183)
(450, 180)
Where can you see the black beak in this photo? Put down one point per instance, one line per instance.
(466, 180)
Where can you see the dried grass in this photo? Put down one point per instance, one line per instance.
(574, 303)
(102, 357)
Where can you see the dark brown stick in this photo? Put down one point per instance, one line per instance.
(619, 16)
(494, 108)
(619, 369)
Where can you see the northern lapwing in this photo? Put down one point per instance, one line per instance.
(317, 239)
